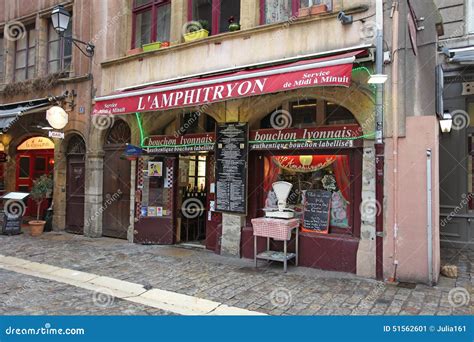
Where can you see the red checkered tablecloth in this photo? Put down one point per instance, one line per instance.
(278, 229)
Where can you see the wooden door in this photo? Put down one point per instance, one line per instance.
(116, 183)
(76, 170)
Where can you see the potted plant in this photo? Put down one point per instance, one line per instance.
(233, 26)
(42, 189)
(197, 30)
(151, 46)
(165, 44)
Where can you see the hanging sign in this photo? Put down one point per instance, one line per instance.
(54, 134)
(231, 167)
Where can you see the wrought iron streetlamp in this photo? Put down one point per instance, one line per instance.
(60, 19)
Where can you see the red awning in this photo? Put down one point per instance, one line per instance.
(326, 71)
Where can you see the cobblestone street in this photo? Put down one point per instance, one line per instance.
(202, 274)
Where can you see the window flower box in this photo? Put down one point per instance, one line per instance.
(319, 9)
(199, 34)
(304, 12)
(151, 46)
(134, 51)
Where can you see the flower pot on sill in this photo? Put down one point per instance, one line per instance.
(36, 227)
(165, 44)
(151, 46)
(134, 51)
(189, 37)
(318, 9)
(304, 12)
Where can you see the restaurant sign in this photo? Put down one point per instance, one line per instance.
(329, 137)
(347, 136)
(197, 92)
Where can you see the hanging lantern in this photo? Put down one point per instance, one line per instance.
(57, 117)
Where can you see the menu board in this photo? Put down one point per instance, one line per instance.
(317, 210)
(10, 225)
(231, 167)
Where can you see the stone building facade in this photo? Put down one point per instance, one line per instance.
(272, 34)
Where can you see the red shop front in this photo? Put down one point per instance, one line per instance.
(327, 157)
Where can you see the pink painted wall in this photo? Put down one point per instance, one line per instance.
(422, 132)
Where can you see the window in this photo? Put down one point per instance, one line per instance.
(275, 11)
(151, 21)
(2, 61)
(59, 50)
(216, 12)
(25, 55)
(470, 16)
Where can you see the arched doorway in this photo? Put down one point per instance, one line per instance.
(116, 182)
(34, 158)
(75, 154)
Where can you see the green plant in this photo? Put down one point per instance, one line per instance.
(42, 187)
(203, 25)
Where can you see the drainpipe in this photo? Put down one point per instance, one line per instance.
(395, 12)
(379, 145)
(429, 222)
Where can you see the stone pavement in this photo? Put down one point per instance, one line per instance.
(200, 273)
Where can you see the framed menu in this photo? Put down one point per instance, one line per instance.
(317, 210)
(231, 167)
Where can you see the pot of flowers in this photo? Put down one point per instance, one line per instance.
(233, 26)
(151, 46)
(319, 9)
(197, 30)
(304, 12)
(41, 190)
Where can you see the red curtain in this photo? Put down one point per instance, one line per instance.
(342, 173)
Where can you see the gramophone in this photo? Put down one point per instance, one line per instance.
(282, 190)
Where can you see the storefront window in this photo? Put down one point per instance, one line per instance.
(311, 172)
(59, 50)
(151, 21)
(216, 12)
(25, 55)
(156, 192)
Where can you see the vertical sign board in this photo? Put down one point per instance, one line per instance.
(316, 213)
(231, 167)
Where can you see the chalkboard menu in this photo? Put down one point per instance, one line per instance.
(231, 167)
(317, 210)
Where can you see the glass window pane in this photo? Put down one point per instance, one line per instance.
(31, 57)
(202, 169)
(21, 43)
(20, 75)
(67, 63)
(163, 23)
(31, 38)
(20, 61)
(31, 72)
(24, 167)
(142, 28)
(52, 34)
(229, 8)
(139, 3)
(53, 66)
(277, 11)
(202, 10)
(53, 52)
(40, 164)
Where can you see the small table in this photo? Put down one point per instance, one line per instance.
(277, 229)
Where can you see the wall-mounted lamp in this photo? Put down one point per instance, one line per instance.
(60, 19)
(377, 79)
(446, 123)
(344, 19)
